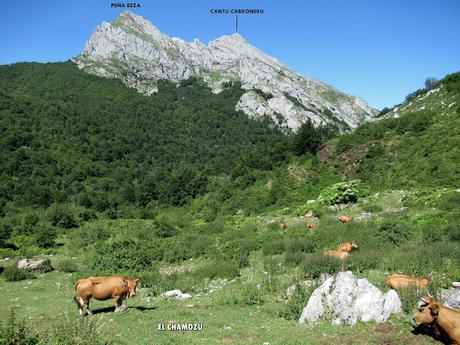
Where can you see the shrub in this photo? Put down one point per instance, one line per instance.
(273, 247)
(340, 193)
(219, 269)
(394, 231)
(16, 332)
(44, 236)
(294, 306)
(67, 266)
(299, 244)
(45, 266)
(61, 215)
(150, 279)
(240, 294)
(293, 258)
(316, 264)
(76, 331)
(125, 255)
(14, 274)
(452, 232)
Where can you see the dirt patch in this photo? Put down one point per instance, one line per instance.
(385, 328)
(325, 151)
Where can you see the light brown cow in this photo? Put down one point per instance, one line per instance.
(337, 254)
(347, 246)
(104, 288)
(435, 314)
(401, 282)
(311, 225)
(309, 214)
(283, 226)
(345, 219)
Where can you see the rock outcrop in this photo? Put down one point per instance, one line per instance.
(349, 300)
(132, 49)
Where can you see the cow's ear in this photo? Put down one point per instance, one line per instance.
(434, 309)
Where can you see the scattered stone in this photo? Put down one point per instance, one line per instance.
(364, 216)
(338, 207)
(451, 298)
(310, 202)
(395, 210)
(456, 285)
(348, 300)
(177, 294)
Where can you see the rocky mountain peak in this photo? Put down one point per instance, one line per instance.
(134, 50)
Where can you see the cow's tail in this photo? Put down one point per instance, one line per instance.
(76, 285)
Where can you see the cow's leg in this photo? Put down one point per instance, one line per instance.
(118, 304)
(79, 303)
(85, 303)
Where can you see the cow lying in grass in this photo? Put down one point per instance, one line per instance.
(104, 288)
(337, 254)
(400, 282)
(345, 219)
(347, 246)
(434, 314)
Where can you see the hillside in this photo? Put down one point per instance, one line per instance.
(133, 50)
(100, 180)
(68, 136)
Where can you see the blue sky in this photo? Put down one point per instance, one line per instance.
(379, 50)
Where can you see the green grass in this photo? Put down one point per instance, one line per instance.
(47, 301)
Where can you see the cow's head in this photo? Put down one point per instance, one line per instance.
(427, 313)
(130, 286)
(354, 245)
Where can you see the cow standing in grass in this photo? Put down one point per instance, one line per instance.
(103, 288)
(347, 246)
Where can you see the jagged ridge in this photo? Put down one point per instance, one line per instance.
(134, 50)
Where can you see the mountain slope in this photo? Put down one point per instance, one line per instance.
(133, 50)
(68, 135)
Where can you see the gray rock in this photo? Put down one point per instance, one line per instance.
(28, 264)
(364, 216)
(171, 293)
(349, 301)
(456, 285)
(451, 298)
(132, 49)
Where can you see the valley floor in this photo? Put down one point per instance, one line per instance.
(46, 303)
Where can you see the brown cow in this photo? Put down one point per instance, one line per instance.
(435, 314)
(283, 226)
(347, 246)
(309, 214)
(311, 225)
(401, 282)
(336, 254)
(104, 288)
(345, 219)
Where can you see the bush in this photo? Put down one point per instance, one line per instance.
(340, 193)
(14, 274)
(67, 266)
(294, 306)
(219, 269)
(394, 232)
(61, 215)
(273, 247)
(76, 331)
(452, 232)
(293, 258)
(240, 294)
(45, 266)
(44, 236)
(125, 255)
(16, 332)
(316, 264)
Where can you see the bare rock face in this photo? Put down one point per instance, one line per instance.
(28, 264)
(350, 300)
(451, 298)
(132, 49)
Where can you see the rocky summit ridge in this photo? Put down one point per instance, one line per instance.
(134, 50)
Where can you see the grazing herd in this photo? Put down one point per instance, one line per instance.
(441, 319)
